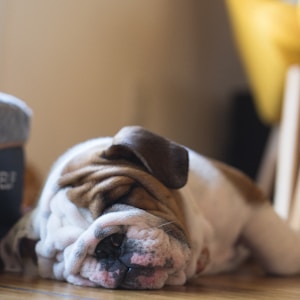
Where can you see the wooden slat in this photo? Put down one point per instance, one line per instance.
(288, 151)
(245, 284)
(267, 170)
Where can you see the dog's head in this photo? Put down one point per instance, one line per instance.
(117, 219)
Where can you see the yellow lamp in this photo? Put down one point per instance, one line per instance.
(267, 34)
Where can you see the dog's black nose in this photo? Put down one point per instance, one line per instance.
(110, 247)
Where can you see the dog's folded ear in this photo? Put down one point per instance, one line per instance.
(164, 159)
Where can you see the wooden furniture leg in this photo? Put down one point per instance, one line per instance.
(288, 148)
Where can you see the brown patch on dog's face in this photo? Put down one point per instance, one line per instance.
(137, 169)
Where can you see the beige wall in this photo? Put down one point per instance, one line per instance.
(88, 67)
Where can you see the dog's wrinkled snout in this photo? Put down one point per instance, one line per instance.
(110, 247)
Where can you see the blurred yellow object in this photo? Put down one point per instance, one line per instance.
(267, 34)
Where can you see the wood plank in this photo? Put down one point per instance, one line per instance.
(240, 285)
(288, 148)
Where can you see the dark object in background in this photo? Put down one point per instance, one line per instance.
(248, 135)
(11, 186)
(15, 118)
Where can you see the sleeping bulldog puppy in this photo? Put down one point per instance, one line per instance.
(138, 211)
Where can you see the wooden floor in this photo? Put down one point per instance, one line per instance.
(244, 284)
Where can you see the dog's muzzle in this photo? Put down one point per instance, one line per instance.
(144, 253)
(114, 256)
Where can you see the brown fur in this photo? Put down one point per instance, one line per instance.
(32, 187)
(246, 187)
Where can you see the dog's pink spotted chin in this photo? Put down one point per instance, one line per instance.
(145, 279)
(106, 279)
